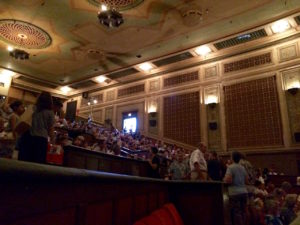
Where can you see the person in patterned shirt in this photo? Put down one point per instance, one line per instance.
(179, 169)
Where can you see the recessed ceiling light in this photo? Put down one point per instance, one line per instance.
(7, 73)
(101, 79)
(203, 50)
(280, 26)
(65, 89)
(10, 49)
(146, 66)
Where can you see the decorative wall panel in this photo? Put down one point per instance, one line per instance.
(154, 85)
(288, 52)
(97, 116)
(110, 95)
(183, 78)
(181, 118)
(211, 72)
(252, 114)
(109, 113)
(248, 63)
(131, 90)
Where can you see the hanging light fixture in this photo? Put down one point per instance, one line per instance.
(19, 53)
(110, 17)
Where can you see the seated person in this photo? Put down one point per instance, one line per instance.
(259, 190)
(272, 212)
(288, 213)
(79, 141)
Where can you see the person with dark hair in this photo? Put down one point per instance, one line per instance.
(237, 177)
(154, 163)
(18, 109)
(57, 106)
(214, 169)
(42, 127)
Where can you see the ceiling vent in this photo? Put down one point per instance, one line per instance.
(122, 73)
(37, 82)
(297, 19)
(241, 39)
(83, 84)
(173, 59)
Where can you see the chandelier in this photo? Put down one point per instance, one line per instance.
(110, 17)
(19, 54)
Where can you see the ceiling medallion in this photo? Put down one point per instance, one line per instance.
(119, 5)
(22, 34)
(193, 14)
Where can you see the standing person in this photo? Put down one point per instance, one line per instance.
(14, 122)
(237, 177)
(154, 163)
(18, 109)
(198, 163)
(214, 167)
(178, 169)
(42, 127)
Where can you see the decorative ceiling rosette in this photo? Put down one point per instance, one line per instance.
(120, 5)
(23, 34)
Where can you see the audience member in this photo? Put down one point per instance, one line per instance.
(179, 169)
(272, 212)
(214, 167)
(154, 163)
(237, 177)
(42, 127)
(198, 163)
(288, 213)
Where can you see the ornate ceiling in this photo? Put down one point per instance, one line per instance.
(67, 44)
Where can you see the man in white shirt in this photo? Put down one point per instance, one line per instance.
(198, 163)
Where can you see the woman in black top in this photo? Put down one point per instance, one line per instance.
(42, 127)
(154, 163)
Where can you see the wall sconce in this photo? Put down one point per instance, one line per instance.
(211, 100)
(152, 107)
(293, 91)
(152, 114)
(212, 105)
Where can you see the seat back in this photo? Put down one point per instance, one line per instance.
(175, 215)
(148, 220)
(164, 216)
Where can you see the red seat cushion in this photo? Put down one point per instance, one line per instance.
(164, 216)
(167, 215)
(148, 220)
(175, 215)
(139, 223)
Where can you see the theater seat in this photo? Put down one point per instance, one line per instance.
(164, 216)
(149, 220)
(175, 215)
(167, 215)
